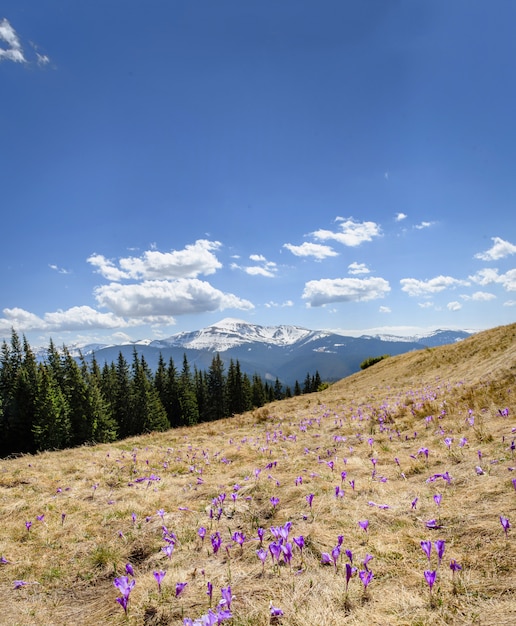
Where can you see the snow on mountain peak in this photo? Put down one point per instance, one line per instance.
(231, 332)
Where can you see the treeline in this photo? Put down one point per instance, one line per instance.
(63, 402)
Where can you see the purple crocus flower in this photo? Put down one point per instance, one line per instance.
(504, 521)
(309, 499)
(300, 542)
(159, 576)
(349, 574)
(367, 558)
(239, 537)
(28, 526)
(180, 587)
(226, 597)
(414, 503)
(430, 578)
(426, 546)
(260, 532)
(454, 566)
(275, 611)
(349, 554)
(439, 546)
(365, 576)
(124, 585)
(335, 553)
(262, 555)
(326, 558)
(202, 533)
(216, 541)
(437, 499)
(129, 569)
(275, 550)
(364, 524)
(123, 601)
(274, 501)
(209, 590)
(18, 584)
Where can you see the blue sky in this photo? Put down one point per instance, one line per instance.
(333, 164)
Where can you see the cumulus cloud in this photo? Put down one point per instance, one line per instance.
(75, 318)
(264, 267)
(317, 250)
(415, 287)
(272, 304)
(454, 306)
(166, 298)
(358, 268)
(488, 276)
(480, 296)
(423, 225)
(385, 309)
(194, 259)
(326, 290)
(14, 51)
(399, 217)
(499, 250)
(351, 233)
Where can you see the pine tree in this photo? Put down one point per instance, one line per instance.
(216, 387)
(258, 392)
(75, 390)
(278, 390)
(187, 397)
(148, 413)
(122, 409)
(51, 426)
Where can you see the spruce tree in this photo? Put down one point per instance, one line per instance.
(51, 427)
(216, 387)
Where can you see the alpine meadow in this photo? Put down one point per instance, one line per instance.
(386, 498)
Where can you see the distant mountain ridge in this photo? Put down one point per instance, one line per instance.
(284, 352)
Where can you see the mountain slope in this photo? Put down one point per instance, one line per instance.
(357, 449)
(284, 352)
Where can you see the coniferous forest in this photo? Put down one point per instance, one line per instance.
(63, 402)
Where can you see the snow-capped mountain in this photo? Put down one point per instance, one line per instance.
(284, 352)
(231, 333)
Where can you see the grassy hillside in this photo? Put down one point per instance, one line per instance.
(417, 448)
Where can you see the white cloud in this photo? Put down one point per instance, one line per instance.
(272, 304)
(166, 298)
(75, 318)
(14, 50)
(351, 233)
(59, 270)
(499, 250)
(423, 225)
(316, 250)
(400, 217)
(385, 309)
(358, 268)
(425, 305)
(510, 303)
(267, 268)
(326, 290)
(454, 306)
(194, 259)
(480, 296)
(415, 287)
(488, 276)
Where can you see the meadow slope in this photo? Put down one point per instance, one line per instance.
(417, 448)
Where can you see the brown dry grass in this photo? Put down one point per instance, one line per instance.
(70, 565)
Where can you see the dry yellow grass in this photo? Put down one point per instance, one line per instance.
(70, 557)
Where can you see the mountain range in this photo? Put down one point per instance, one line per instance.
(285, 352)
